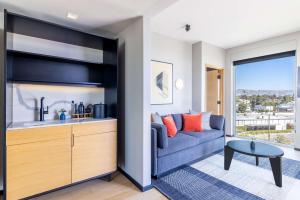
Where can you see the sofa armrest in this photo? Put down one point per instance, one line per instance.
(217, 122)
(153, 152)
(162, 135)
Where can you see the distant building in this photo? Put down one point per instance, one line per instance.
(269, 108)
(245, 101)
(263, 108)
(259, 108)
(288, 107)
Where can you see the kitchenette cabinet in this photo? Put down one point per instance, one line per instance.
(40, 159)
(94, 150)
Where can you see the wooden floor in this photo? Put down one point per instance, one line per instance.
(119, 188)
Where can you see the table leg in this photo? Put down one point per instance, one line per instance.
(257, 161)
(277, 170)
(228, 154)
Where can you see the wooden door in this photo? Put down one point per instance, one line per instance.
(94, 150)
(214, 91)
(33, 168)
(94, 155)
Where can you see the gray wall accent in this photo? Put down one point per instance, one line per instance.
(178, 53)
(134, 138)
(204, 53)
(197, 76)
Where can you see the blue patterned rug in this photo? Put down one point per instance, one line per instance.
(290, 167)
(191, 184)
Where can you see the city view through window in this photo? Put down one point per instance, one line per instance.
(264, 100)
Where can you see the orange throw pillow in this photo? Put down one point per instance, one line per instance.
(192, 122)
(170, 124)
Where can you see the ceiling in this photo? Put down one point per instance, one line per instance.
(228, 23)
(93, 15)
(224, 23)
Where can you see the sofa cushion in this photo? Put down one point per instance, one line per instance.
(179, 142)
(162, 135)
(156, 118)
(170, 124)
(217, 122)
(178, 121)
(206, 135)
(205, 119)
(192, 122)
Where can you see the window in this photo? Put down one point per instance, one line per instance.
(265, 98)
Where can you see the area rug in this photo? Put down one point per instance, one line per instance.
(207, 179)
(290, 167)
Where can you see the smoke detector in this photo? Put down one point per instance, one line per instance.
(187, 27)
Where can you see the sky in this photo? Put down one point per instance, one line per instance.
(275, 74)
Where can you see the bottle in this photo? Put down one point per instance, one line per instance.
(81, 108)
(62, 116)
(72, 108)
(76, 108)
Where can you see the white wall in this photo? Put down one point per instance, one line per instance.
(266, 47)
(178, 53)
(213, 55)
(135, 138)
(204, 53)
(26, 100)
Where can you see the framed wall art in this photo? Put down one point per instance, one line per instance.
(161, 83)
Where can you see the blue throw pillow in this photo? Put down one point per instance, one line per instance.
(178, 121)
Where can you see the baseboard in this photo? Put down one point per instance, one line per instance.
(69, 185)
(139, 186)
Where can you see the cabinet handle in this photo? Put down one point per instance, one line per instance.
(72, 140)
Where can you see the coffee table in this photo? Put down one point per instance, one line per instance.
(261, 150)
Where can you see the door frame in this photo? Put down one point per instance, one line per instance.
(221, 70)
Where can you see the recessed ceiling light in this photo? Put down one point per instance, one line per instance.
(72, 16)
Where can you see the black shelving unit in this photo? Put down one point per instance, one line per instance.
(34, 68)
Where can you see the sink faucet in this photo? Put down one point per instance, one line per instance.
(42, 110)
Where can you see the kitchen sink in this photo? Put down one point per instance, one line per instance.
(35, 123)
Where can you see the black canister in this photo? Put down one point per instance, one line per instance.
(99, 111)
(81, 108)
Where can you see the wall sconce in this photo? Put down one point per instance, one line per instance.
(179, 84)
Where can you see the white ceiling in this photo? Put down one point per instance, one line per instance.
(93, 14)
(228, 23)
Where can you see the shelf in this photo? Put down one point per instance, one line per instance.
(59, 83)
(56, 58)
(33, 68)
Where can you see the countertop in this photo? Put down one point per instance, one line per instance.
(38, 124)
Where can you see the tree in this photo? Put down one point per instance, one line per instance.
(259, 100)
(242, 108)
(252, 103)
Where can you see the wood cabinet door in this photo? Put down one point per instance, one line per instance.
(37, 167)
(94, 155)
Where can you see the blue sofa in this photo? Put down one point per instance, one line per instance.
(186, 147)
